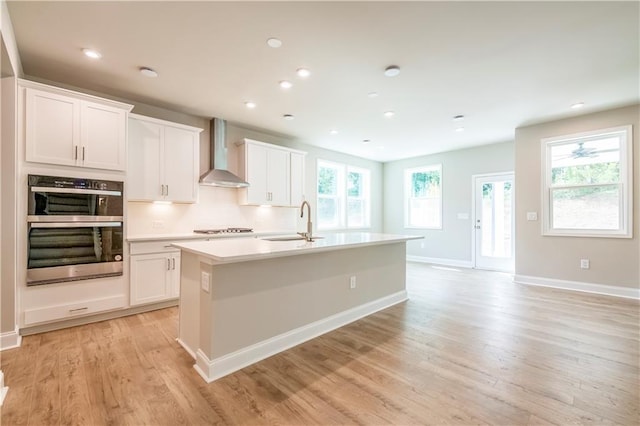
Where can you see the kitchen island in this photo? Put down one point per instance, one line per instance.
(245, 299)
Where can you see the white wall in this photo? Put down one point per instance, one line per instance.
(614, 261)
(10, 68)
(452, 243)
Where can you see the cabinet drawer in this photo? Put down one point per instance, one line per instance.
(67, 311)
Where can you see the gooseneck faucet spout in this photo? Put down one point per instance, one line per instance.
(307, 235)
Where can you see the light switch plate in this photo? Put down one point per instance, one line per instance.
(463, 216)
(205, 282)
(532, 215)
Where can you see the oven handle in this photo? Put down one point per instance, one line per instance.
(76, 225)
(61, 218)
(75, 191)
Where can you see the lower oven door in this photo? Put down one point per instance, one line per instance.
(70, 251)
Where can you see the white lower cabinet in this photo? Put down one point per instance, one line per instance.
(155, 276)
(75, 309)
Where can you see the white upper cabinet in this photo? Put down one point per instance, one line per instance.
(270, 171)
(72, 129)
(163, 161)
(297, 178)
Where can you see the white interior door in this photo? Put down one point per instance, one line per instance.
(493, 222)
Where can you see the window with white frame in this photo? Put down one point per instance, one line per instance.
(423, 197)
(588, 184)
(344, 196)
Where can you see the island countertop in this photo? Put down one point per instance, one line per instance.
(247, 249)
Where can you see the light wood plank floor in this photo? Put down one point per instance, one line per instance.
(469, 347)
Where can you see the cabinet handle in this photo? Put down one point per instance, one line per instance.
(83, 153)
(168, 264)
(167, 194)
(75, 155)
(173, 263)
(73, 311)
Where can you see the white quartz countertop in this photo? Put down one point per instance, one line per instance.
(246, 249)
(196, 236)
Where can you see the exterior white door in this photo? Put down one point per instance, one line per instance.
(493, 222)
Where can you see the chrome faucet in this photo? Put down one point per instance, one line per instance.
(307, 235)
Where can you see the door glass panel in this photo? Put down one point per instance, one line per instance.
(496, 219)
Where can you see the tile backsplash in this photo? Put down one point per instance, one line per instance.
(216, 208)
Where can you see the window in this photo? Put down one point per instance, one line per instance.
(423, 197)
(587, 184)
(343, 196)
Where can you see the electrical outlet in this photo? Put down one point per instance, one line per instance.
(532, 215)
(157, 224)
(204, 281)
(584, 263)
(352, 282)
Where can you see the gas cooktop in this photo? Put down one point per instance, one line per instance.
(222, 231)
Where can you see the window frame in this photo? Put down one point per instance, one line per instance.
(625, 184)
(407, 191)
(366, 199)
(342, 196)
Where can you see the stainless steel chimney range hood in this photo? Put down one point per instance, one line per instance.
(219, 175)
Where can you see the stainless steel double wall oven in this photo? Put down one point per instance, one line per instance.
(75, 229)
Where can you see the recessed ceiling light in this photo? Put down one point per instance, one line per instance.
(250, 105)
(372, 94)
(366, 140)
(458, 117)
(392, 71)
(459, 129)
(303, 72)
(285, 84)
(148, 72)
(389, 113)
(93, 54)
(333, 131)
(577, 105)
(288, 117)
(274, 42)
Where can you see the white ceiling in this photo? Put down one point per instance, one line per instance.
(500, 64)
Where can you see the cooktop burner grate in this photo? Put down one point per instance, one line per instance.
(223, 231)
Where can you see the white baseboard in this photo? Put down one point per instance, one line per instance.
(3, 388)
(609, 290)
(10, 340)
(211, 370)
(441, 261)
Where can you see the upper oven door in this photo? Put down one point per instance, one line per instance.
(55, 199)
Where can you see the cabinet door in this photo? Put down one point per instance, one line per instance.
(102, 136)
(297, 178)
(143, 170)
(150, 278)
(256, 174)
(278, 174)
(181, 148)
(52, 128)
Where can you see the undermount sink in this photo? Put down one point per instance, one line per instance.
(289, 238)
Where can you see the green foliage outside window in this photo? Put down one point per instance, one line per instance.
(327, 181)
(586, 174)
(425, 183)
(354, 184)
